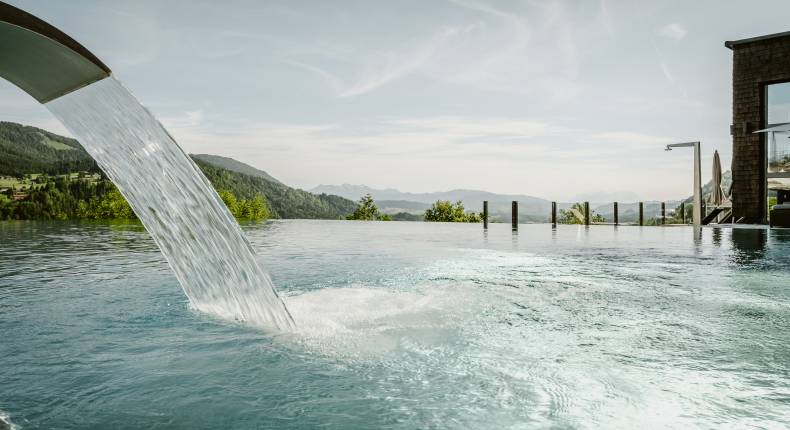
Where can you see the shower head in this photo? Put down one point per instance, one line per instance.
(680, 145)
(42, 60)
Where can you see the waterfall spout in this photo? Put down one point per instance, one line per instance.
(213, 261)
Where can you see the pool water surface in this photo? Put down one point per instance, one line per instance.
(403, 325)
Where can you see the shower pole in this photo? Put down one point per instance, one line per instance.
(697, 209)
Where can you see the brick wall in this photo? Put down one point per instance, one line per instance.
(755, 64)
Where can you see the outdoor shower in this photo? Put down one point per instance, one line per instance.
(697, 214)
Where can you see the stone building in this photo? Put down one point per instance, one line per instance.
(760, 99)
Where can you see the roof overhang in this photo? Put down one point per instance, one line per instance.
(732, 44)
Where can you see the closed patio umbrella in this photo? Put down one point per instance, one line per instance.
(717, 195)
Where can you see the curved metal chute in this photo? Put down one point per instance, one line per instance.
(42, 60)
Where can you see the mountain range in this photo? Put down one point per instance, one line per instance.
(389, 200)
(531, 209)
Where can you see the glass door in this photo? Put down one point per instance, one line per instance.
(777, 112)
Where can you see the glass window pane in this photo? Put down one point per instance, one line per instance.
(778, 152)
(778, 103)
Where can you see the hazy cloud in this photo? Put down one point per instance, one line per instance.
(674, 31)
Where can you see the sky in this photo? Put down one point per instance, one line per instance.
(555, 99)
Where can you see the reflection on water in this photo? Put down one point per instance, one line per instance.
(404, 325)
(748, 245)
(716, 236)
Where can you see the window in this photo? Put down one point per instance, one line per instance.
(777, 112)
(777, 104)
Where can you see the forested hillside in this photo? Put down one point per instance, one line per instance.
(284, 201)
(25, 149)
(28, 152)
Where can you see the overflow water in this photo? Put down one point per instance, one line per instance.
(431, 325)
(212, 259)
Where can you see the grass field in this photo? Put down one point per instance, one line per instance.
(28, 181)
(60, 146)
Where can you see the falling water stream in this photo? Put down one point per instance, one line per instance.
(212, 259)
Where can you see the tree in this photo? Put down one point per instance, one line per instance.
(230, 201)
(569, 217)
(254, 209)
(111, 205)
(446, 211)
(676, 216)
(367, 210)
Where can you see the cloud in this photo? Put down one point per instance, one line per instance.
(630, 138)
(189, 120)
(509, 154)
(666, 71)
(398, 64)
(334, 83)
(674, 31)
(385, 67)
(605, 18)
(438, 135)
(530, 49)
(464, 128)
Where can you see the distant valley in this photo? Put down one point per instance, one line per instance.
(531, 209)
(25, 150)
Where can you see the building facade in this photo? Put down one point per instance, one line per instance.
(760, 99)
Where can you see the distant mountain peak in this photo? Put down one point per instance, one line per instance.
(473, 198)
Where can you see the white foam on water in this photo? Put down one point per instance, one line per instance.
(361, 322)
(212, 259)
(5, 420)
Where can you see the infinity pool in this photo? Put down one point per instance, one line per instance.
(403, 325)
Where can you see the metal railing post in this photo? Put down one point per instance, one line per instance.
(485, 214)
(616, 215)
(641, 213)
(586, 213)
(514, 215)
(553, 214)
(683, 212)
